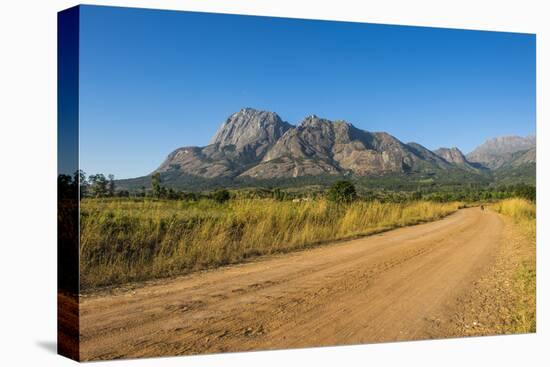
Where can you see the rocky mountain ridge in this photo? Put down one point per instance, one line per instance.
(260, 145)
(497, 152)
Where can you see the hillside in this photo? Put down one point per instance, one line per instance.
(499, 151)
(259, 144)
(258, 148)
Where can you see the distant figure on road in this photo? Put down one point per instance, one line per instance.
(482, 207)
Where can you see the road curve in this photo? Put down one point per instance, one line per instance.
(398, 285)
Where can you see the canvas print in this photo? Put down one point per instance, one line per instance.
(242, 183)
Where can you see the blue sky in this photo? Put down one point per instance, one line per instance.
(152, 81)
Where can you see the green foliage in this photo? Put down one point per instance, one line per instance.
(525, 191)
(511, 175)
(342, 192)
(155, 185)
(98, 185)
(452, 185)
(80, 179)
(221, 196)
(111, 185)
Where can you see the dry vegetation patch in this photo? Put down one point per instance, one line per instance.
(133, 240)
(524, 280)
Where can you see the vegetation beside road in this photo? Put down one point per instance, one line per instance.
(523, 212)
(126, 240)
(159, 231)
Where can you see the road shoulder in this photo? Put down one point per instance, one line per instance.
(502, 301)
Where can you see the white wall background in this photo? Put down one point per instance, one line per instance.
(28, 181)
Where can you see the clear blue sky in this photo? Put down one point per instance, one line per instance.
(152, 81)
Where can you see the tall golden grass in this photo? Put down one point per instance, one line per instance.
(523, 212)
(127, 240)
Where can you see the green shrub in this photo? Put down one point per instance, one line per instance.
(221, 196)
(342, 192)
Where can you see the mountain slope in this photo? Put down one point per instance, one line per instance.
(454, 156)
(521, 167)
(241, 141)
(319, 146)
(517, 159)
(250, 132)
(257, 147)
(301, 151)
(496, 152)
(260, 145)
(429, 156)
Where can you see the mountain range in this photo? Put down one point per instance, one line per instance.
(497, 152)
(258, 145)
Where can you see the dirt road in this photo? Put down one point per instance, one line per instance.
(400, 285)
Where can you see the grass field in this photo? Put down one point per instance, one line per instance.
(523, 212)
(126, 240)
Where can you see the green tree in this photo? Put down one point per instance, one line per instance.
(172, 194)
(526, 191)
(416, 195)
(98, 185)
(111, 186)
(221, 196)
(155, 185)
(342, 192)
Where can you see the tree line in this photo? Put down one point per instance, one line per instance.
(343, 191)
(97, 185)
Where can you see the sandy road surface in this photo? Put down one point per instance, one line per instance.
(399, 285)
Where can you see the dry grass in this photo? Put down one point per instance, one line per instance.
(126, 240)
(523, 212)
